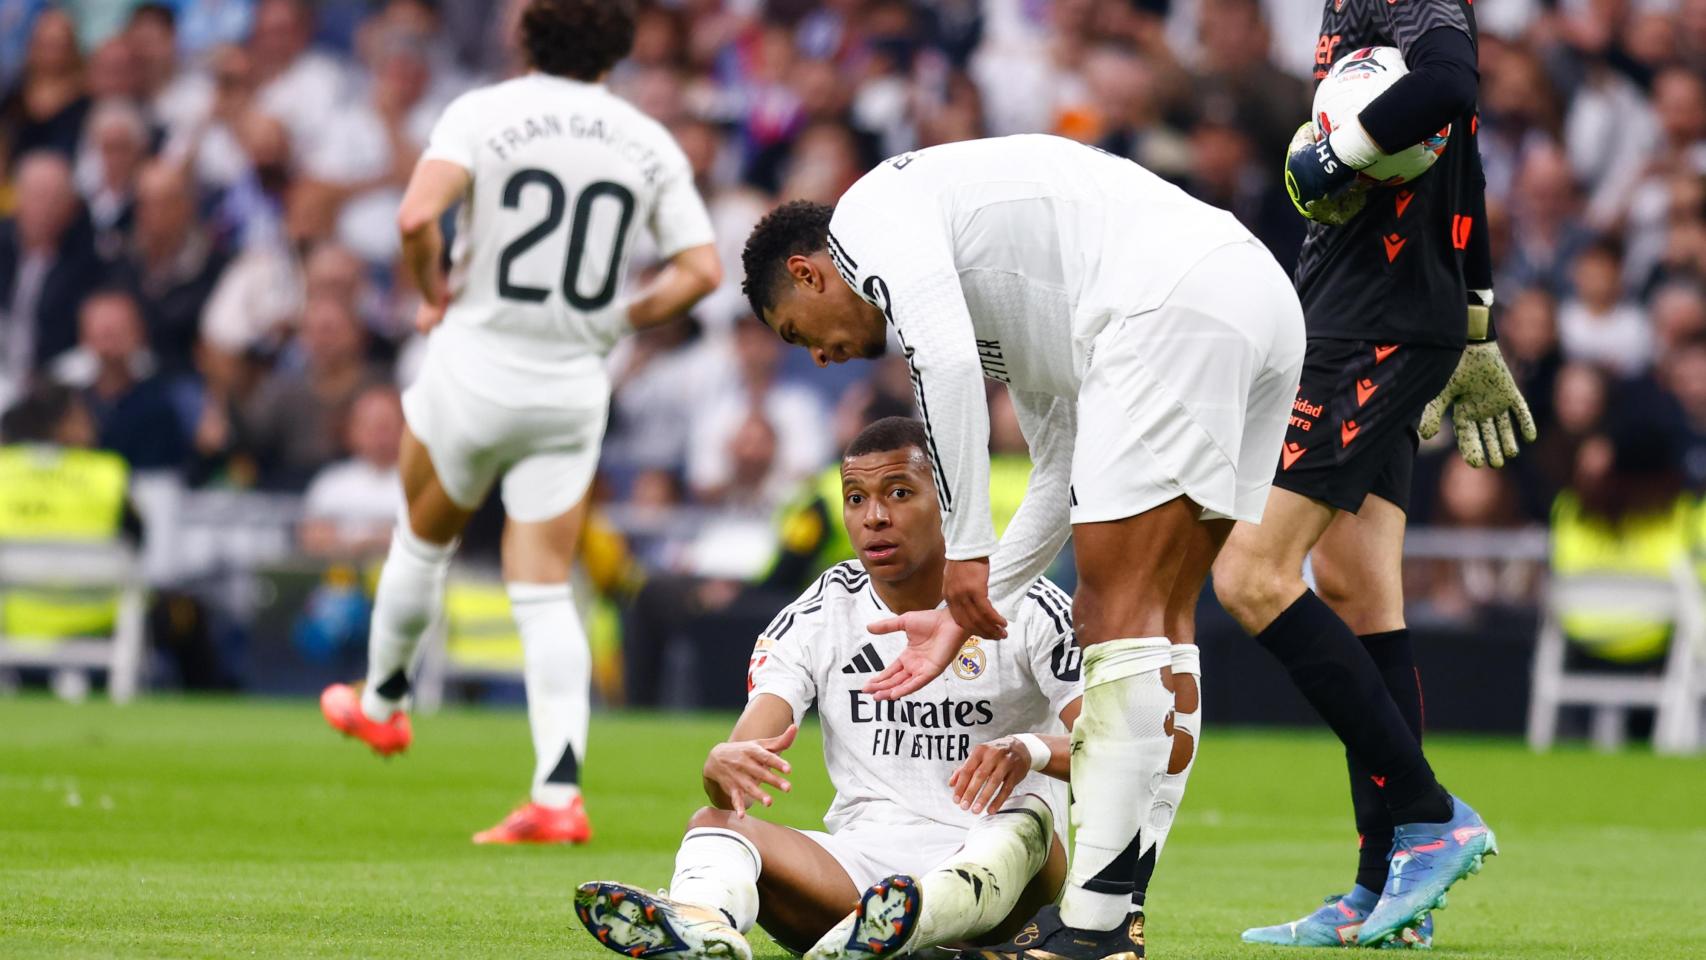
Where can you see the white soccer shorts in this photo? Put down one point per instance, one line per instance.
(1192, 398)
(546, 454)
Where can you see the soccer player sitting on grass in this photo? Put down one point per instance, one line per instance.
(944, 814)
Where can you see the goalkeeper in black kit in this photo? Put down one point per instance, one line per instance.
(1396, 287)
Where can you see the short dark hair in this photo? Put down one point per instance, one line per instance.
(36, 417)
(155, 11)
(890, 433)
(796, 228)
(579, 39)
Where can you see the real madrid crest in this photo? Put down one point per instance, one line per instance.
(968, 663)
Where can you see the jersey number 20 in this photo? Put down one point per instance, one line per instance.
(510, 290)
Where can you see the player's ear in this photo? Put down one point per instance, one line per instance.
(803, 270)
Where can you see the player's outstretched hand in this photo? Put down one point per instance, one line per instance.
(987, 778)
(741, 768)
(1482, 396)
(932, 640)
(965, 586)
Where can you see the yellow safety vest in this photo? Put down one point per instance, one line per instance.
(1649, 545)
(53, 494)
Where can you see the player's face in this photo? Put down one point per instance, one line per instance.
(821, 313)
(889, 507)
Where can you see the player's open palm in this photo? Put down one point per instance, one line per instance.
(932, 640)
(1483, 397)
(987, 778)
(740, 769)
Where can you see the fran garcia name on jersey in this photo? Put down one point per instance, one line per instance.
(512, 138)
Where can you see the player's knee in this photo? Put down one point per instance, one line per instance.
(1101, 613)
(1253, 593)
(712, 818)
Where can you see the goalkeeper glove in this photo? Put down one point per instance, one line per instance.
(1323, 187)
(1482, 395)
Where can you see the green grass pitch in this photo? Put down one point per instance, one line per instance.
(227, 829)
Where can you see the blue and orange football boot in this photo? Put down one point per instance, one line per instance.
(1427, 858)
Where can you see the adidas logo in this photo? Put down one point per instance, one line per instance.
(865, 661)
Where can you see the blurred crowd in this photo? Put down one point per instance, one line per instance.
(197, 215)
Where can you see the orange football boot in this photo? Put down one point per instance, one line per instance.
(536, 823)
(341, 705)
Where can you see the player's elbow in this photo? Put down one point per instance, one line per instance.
(413, 224)
(702, 267)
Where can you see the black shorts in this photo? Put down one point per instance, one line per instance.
(1353, 424)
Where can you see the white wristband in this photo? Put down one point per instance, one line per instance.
(1353, 145)
(1039, 751)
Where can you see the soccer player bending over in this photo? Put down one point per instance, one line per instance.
(1152, 347)
(943, 813)
(555, 176)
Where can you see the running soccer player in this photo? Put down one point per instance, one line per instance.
(555, 175)
(943, 815)
(1386, 297)
(1152, 347)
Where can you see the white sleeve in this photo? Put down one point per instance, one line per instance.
(907, 269)
(1052, 649)
(456, 135)
(1044, 519)
(679, 220)
(782, 663)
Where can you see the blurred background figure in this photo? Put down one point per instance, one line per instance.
(351, 505)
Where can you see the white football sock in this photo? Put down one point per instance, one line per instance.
(1186, 661)
(558, 669)
(980, 885)
(718, 869)
(409, 596)
(1119, 753)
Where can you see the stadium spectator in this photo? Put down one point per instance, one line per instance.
(113, 72)
(1686, 378)
(1625, 514)
(729, 433)
(1598, 325)
(363, 154)
(1546, 232)
(172, 264)
(114, 372)
(46, 108)
(296, 83)
(294, 424)
(114, 150)
(47, 266)
(1236, 78)
(351, 505)
(202, 129)
(174, 97)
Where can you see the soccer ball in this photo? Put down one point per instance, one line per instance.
(1351, 85)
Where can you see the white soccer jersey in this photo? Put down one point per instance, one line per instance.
(564, 173)
(890, 761)
(1004, 258)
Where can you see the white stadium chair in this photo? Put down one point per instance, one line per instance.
(79, 566)
(1677, 695)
